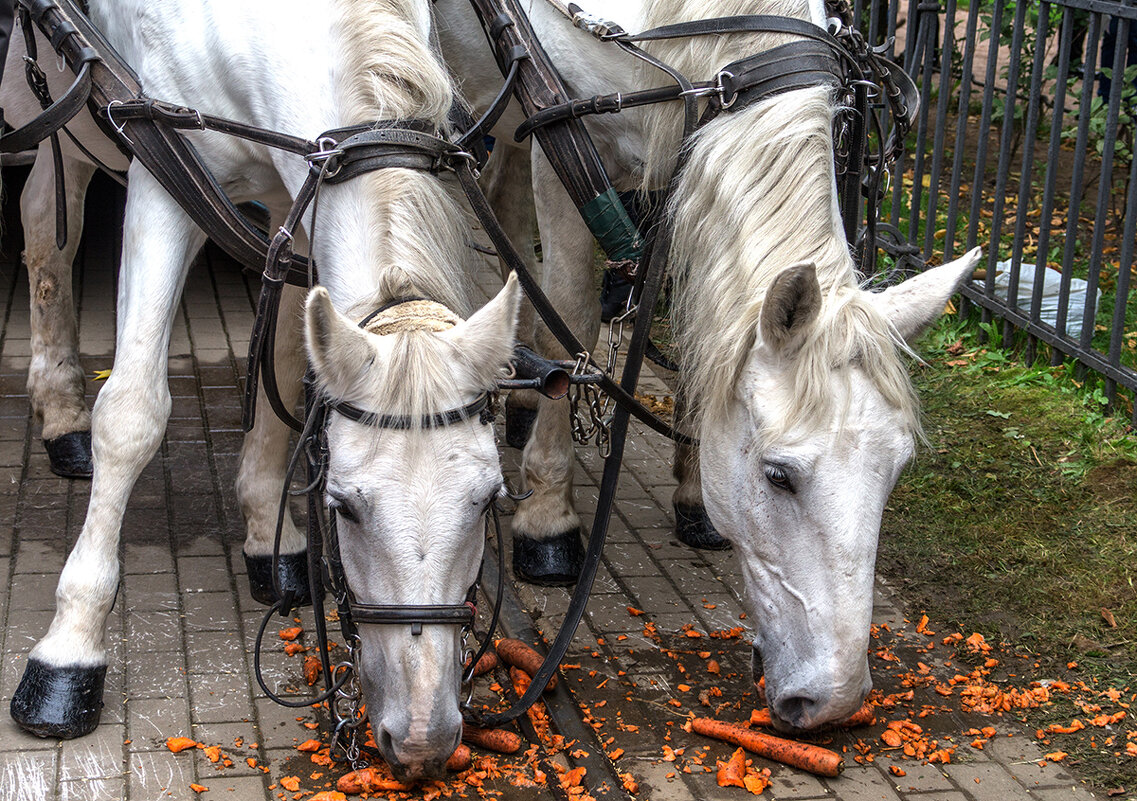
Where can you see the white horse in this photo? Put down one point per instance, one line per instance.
(409, 502)
(793, 374)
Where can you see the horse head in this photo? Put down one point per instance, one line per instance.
(805, 455)
(410, 501)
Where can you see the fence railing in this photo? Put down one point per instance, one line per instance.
(1025, 146)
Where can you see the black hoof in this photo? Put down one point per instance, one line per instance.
(70, 454)
(292, 570)
(63, 702)
(551, 562)
(694, 528)
(518, 425)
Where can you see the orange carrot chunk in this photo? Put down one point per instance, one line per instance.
(812, 758)
(500, 740)
(177, 744)
(368, 780)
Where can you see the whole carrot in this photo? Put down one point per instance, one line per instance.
(461, 759)
(812, 758)
(865, 716)
(500, 740)
(487, 663)
(523, 657)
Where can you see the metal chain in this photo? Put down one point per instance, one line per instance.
(596, 424)
(347, 713)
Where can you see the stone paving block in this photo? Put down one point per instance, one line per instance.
(25, 629)
(154, 591)
(150, 721)
(858, 783)
(213, 652)
(40, 556)
(161, 776)
(220, 697)
(232, 787)
(210, 611)
(33, 592)
(155, 674)
(655, 784)
(98, 755)
(279, 726)
(203, 574)
(787, 783)
(1068, 792)
(918, 777)
(1021, 756)
(226, 735)
(155, 630)
(109, 789)
(985, 780)
(942, 795)
(147, 558)
(27, 775)
(629, 559)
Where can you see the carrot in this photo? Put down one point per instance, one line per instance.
(328, 795)
(291, 634)
(177, 744)
(311, 670)
(487, 663)
(311, 746)
(500, 740)
(812, 758)
(461, 759)
(865, 716)
(368, 780)
(522, 656)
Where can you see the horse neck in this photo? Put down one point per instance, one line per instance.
(757, 195)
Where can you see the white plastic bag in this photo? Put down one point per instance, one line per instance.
(1048, 308)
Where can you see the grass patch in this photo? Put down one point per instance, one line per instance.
(1020, 522)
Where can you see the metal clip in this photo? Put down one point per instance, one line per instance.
(329, 149)
(721, 89)
(119, 127)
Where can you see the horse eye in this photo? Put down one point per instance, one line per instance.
(342, 510)
(779, 477)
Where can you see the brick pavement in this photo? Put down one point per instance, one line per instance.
(180, 634)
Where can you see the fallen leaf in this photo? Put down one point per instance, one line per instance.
(1107, 616)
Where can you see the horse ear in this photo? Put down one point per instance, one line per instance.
(792, 304)
(487, 337)
(914, 304)
(338, 350)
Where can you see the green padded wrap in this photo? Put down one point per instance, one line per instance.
(609, 222)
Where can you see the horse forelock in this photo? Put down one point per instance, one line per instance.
(417, 232)
(757, 196)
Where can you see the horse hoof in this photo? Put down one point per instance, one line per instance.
(694, 528)
(63, 702)
(70, 454)
(550, 562)
(292, 570)
(518, 424)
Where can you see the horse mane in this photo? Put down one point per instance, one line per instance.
(756, 196)
(418, 232)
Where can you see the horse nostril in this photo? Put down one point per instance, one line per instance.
(795, 710)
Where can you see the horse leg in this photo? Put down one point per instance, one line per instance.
(60, 694)
(508, 186)
(547, 544)
(55, 378)
(262, 467)
(692, 525)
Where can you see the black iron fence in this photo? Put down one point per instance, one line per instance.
(1025, 146)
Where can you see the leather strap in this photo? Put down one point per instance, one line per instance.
(53, 118)
(402, 422)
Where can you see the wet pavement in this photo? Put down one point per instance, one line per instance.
(181, 633)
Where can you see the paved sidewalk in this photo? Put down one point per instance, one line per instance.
(181, 632)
